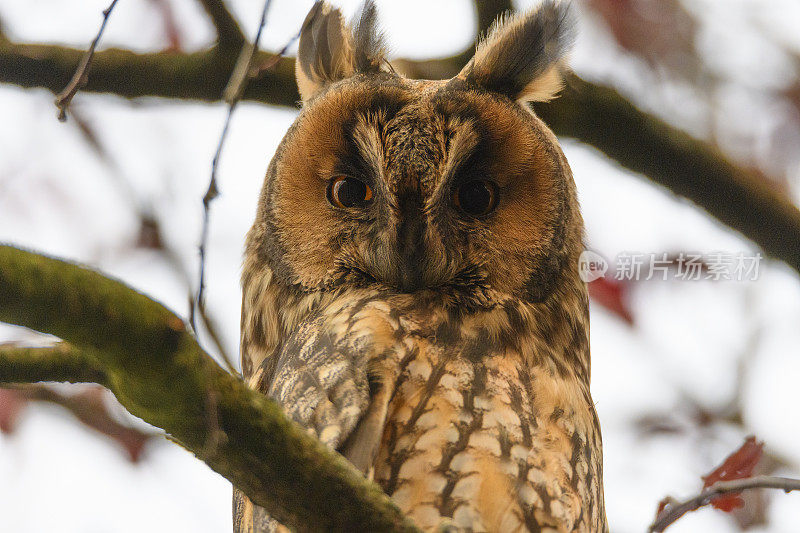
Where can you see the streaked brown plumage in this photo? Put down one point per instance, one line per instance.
(444, 351)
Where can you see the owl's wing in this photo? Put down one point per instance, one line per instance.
(322, 380)
(319, 384)
(326, 379)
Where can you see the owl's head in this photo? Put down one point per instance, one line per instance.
(451, 187)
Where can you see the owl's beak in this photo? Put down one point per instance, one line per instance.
(411, 247)
(411, 280)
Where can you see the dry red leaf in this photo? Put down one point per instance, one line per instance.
(171, 30)
(11, 405)
(88, 406)
(738, 465)
(613, 295)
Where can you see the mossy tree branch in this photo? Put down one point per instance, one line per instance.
(159, 373)
(62, 362)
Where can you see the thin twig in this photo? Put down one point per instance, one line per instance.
(81, 75)
(674, 510)
(212, 192)
(213, 332)
(269, 64)
(241, 75)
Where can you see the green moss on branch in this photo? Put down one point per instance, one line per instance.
(62, 362)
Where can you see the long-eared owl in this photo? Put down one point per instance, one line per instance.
(410, 286)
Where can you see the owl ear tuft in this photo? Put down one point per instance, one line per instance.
(522, 56)
(330, 50)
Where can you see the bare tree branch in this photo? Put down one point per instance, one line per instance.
(740, 199)
(81, 76)
(674, 510)
(232, 94)
(159, 373)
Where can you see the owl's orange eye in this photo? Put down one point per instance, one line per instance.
(344, 191)
(476, 198)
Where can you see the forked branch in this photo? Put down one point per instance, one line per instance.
(81, 76)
